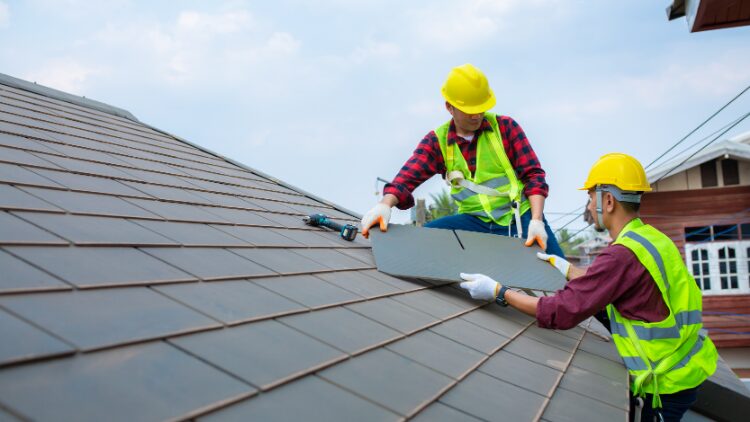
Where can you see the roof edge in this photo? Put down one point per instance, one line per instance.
(258, 172)
(64, 96)
(115, 111)
(725, 147)
(676, 10)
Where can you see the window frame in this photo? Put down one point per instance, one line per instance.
(741, 260)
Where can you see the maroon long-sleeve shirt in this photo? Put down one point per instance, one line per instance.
(617, 277)
(427, 161)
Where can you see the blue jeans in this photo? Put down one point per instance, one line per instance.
(673, 408)
(474, 224)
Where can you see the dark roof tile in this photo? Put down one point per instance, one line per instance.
(438, 353)
(15, 199)
(191, 233)
(258, 236)
(177, 212)
(489, 398)
(90, 230)
(310, 399)
(88, 203)
(28, 342)
(11, 173)
(17, 156)
(522, 373)
(231, 302)
(342, 328)
(282, 261)
(570, 406)
(438, 412)
(332, 258)
(484, 318)
(100, 266)
(431, 303)
(597, 387)
(539, 353)
(358, 283)
(394, 314)
(148, 382)
(388, 379)
(14, 230)
(19, 276)
(263, 353)
(94, 184)
(308, 290)
(470, 335)
(209, 263)
(103, 318)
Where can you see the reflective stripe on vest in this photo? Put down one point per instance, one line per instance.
(671, 355)
(654, 253)
(653, 333)
(492, 184)
(493, 170)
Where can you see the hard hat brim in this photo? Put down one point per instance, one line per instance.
(473, 109)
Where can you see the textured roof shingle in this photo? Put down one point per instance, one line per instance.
(144, 278)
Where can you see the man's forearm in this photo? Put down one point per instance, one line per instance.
(537, 206)
(524, 303)
(389, 199)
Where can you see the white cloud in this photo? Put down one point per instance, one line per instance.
(717, 78)
(221, 23)
(425, 108)
(375, 51)
(454, 25)
(4, 14)
(197, 46)
(65, 74)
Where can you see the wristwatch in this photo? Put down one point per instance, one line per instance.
(500, 299)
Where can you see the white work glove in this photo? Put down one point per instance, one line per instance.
(380, 213)
(560, 263)
(537, 233)
(480, 286)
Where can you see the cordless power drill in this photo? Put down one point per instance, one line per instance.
(347, 231)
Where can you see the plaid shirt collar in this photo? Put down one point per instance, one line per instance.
(453, 137)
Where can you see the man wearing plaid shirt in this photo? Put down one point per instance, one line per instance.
(495, 175)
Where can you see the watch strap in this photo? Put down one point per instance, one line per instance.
(500, 300)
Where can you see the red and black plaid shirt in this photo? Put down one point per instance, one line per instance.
(427, 161)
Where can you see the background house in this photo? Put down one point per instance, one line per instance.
(702, 202)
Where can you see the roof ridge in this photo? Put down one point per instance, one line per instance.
(64, 96)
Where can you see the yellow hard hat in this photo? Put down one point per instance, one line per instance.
(467, 89)
(619, 170)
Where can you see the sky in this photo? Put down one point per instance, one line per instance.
(328, 95)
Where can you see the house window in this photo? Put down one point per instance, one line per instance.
(720, 267)
(700, 268)
(698, 234)
(726, 232)
(708, 175)
(728, 268)
(730, 172)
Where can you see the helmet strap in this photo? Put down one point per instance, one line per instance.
(599, 216)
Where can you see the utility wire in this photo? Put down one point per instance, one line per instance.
(678, 143)
(699, 126)
(726, 129)
(738, 121)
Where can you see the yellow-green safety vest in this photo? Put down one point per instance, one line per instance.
(493, 170)
(671, 355)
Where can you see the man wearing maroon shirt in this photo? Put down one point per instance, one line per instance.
(468, 97)
(619, 281)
